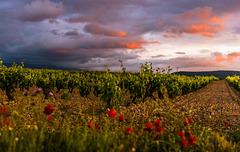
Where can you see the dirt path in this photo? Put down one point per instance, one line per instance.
(213, 105)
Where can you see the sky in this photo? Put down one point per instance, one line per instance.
(188, 35)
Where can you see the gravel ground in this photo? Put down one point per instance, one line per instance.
(213, 105)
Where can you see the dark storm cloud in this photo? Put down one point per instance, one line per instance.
(39, 10)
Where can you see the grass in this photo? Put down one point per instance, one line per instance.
(29, 129)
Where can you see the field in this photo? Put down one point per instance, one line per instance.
(205, 119)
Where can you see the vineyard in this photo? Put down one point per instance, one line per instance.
(55, 110)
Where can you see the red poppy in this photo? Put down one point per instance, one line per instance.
(148, 127)
(90, 125)
(189, 120)
(184, 143)
(159, 129)
(225, 124)
(3, 111)
(121, 118)
(157, 123)
(180, 133)
(98, 127)
(128, 130)
(112, 113)
(191, 140)
(50, 119)
(48, 109)
(5, 121)
(185, 123)
(156, 136)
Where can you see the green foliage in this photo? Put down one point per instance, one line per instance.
(64, 95)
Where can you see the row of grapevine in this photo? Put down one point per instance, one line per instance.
(234, 81)
(109, 86)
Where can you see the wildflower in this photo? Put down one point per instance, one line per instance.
(48, 109)
(189, 120)
(25, 92)
(50, 119)
(156, 136)
(185, 123)
(90, 125)
(180, 133)
(98, 127)
(3, 111)
(34, 93)
(148, 127)
(159, 128)
(38, 90)
(157, 123)
(128, 130)
(6, 122)
(121, 118)
(50, 94)
(191, 140)
(225, 124)
(184, 143)
(112, 113)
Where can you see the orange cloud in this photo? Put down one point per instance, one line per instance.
(202, 21)
(231, 58)
(137, 44)
(121, 34)
(61, 51)
(203, 29)
(169, 36)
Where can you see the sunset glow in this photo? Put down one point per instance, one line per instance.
(199, 35)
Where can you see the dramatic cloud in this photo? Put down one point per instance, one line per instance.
(41, 9)
(89, 34)
(97, 29)
(231, 57)
(200, 21)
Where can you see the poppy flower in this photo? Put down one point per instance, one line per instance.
(191, 140)
(148, 127)
(121, 118)
(90, 125)
(189, 120)
(3, 111)
(180, 133)
(112, 113)
(185, 123)
(50, 119)
(157, 123)
(225, 124)
(48, 110)
(128, 130)
(156, 136)
(184, 143)
(98, 127)
(5, 121)
(159, 129)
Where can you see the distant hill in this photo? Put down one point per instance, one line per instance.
(219, 74)
(36, 66)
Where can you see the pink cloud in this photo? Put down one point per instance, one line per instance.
(201, 21)
(99, 30)
(231, 57)
(180, 52)
(40, 10)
